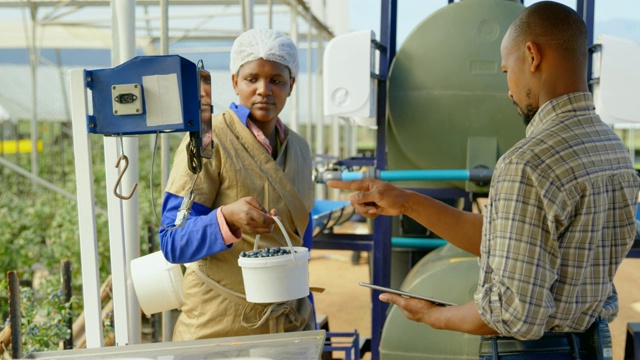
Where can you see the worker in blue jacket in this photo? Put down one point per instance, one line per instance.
(257, 163)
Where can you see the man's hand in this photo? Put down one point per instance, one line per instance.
(464, 318)
(414, 309)
(373, 197)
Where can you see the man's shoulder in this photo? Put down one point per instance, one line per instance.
(574, 147)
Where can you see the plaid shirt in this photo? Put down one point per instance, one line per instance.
(560, 219)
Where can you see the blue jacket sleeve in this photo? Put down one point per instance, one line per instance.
(199, 237)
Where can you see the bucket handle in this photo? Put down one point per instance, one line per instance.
(286, 237)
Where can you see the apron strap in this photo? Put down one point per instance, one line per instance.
(275, 313)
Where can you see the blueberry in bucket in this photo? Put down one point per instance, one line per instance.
(266, 252)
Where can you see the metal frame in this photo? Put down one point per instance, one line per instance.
(343, 341)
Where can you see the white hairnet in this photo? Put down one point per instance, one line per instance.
(266, 44)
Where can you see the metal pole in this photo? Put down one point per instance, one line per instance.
(124, 235)
(65, 269)
(382, 224)
(165, 145)
(320, 191)
(586, 8)
(160, 325)
(270, 14)
(63, 89)
(335, 149)
(294, 98)
(33, 60)
(247, 14)
(309, 117)
(14, 313)
(86, 212)
(353, 142)
(319, 25)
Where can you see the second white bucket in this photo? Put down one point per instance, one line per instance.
(278, 278)
(157, 282)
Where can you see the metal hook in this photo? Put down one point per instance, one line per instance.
(115, 188)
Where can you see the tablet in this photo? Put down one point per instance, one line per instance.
(406, 294)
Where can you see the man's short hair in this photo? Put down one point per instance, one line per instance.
(555, 25)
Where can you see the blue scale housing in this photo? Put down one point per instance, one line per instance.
(120, 103)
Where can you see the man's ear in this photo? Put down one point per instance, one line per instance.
(291, 82)
(534, 55)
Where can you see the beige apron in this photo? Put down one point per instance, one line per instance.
(213, 288)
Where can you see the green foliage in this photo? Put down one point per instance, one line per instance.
(40, 227)
(39, 233)
(45, 317)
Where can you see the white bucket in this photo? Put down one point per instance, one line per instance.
(277, 278)
(157, 282)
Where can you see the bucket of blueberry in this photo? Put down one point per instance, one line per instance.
(275, 274)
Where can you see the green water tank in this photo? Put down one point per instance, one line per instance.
(447, 96)
(447, 109)
(446, 273)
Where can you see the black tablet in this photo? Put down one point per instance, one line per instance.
(406, 294)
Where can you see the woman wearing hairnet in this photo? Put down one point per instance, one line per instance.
(257, 164)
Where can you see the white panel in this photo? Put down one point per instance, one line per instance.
(616, 93)
(349, 89)
(162, 96)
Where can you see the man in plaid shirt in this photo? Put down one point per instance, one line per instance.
(561, 211)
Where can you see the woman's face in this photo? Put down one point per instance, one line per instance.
(206, 109)
(205, 99)
(263, 86)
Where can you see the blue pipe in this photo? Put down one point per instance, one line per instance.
(405, 175)
(480, 175)
(420, 243)
(351, 175)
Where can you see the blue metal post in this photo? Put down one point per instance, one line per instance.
(586, 8)
(382, 224)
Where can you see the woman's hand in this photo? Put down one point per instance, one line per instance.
(248, 215)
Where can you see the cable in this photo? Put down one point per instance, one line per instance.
(185, 207)
(194, 163)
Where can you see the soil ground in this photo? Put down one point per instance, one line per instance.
(348, 305)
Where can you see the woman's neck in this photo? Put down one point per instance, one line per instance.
(267, 128)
